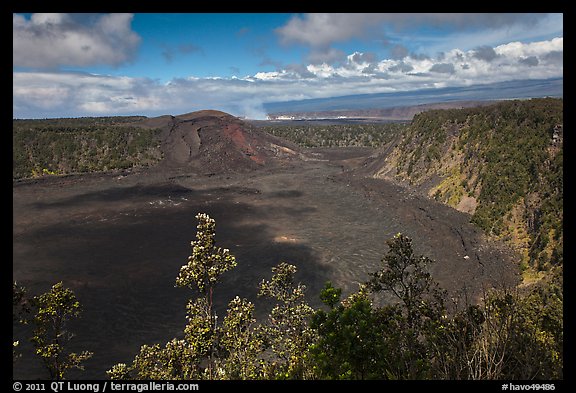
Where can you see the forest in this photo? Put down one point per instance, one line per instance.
(338, 135)
(80, 145)
(508, 157)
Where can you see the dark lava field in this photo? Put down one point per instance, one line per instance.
(118, 241)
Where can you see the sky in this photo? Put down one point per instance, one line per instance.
(71, 65)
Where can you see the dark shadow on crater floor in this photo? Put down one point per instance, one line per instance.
(139, 191)
(123, 268)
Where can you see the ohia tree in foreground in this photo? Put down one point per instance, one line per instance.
(53, 310)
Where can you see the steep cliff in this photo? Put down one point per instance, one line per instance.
(503, 164)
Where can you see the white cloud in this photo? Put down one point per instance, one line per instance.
(540, 48)
(53, 40)
(417, 31)
(49, 19)
(525, 28)
(39, 94)
(78, 94)
(267, 75)
(321, 30)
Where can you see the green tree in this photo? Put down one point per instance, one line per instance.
(513, 333)
(174, 361)
(523, 335)
(53, 310)
(208, 351)
(207, 262)
(241, 341)
(536, 339)
(419, 314)
(508, 335)
(405, 275)
(360, 341)
(454, 351)
(287, 331)
(202, 272)
(350, 342)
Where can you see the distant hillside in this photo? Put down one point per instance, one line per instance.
(80, 145)
(393, 113)
(502, 163)
(508, 90)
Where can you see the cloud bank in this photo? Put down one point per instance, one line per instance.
(44, 94)
(325, 29)
(321, 31)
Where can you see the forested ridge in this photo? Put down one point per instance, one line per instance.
(502, 163)
(80, 145)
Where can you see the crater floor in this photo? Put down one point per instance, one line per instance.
(118, 240)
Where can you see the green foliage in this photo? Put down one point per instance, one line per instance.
(237, 348)
(200, 334)
(207, 262)
(535, 328)
(406, 277)
(514, 334)
(242, 342)
(287, 332)
(203, 270)
(413, 322)
(21, 306)
(454, 348)
(360, 341)
(501, 154)
(197, 355)
(63, 146)
(53, 310)
(338, 135)
(174, 361)
(330, 296)
(350, 344)
(509, 335)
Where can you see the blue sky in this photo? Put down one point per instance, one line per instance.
(204, 45)
(153, 64)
